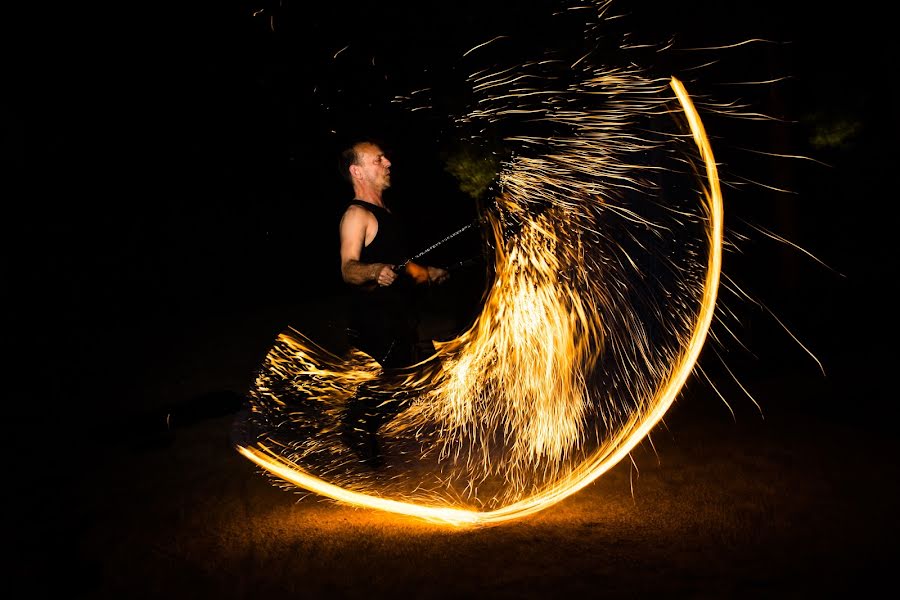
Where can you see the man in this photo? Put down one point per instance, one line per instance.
(374, 263)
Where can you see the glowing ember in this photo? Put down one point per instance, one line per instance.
(607, 238)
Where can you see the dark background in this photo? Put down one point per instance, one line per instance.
(168, 164)
(170, 203)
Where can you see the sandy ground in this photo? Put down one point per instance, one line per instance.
(800, 503)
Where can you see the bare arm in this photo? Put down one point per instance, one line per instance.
(354, 226)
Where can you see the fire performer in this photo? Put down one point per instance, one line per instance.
(374, 263)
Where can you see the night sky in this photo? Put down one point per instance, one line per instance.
(164, 162)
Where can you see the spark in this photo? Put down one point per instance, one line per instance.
(784, 240)
(778, 155)
(765, 82)
(522, 373)
(482, 45)
(741, 385)
(795, 338)
(764, 185)
(736, 45)
(603, 290)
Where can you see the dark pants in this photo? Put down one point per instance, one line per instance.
(384, 326)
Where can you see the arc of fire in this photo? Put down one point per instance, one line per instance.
(604, 459)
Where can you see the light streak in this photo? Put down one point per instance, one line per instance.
(603, 459)
(736, 45)
(595, 317)
(788, 242)
(491, 41)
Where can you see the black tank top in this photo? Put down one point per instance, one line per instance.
(389, 245)
(384, 320)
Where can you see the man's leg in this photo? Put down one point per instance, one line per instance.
(392, 346)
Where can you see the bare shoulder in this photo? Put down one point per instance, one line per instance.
(354, 212)
(357, 218)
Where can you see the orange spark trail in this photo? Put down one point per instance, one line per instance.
(560, 367)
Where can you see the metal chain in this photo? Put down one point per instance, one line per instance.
(435, 245)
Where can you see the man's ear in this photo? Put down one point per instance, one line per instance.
(354, 171)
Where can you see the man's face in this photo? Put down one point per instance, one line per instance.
(374, 166)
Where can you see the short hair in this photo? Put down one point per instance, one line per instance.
(349, 156)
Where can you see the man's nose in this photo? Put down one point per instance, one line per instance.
(387, 163)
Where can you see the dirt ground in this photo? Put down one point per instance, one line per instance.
(162, 195)
(797, 502)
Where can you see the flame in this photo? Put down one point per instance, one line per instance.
(560, 377)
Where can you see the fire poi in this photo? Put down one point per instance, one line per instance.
(606, 234)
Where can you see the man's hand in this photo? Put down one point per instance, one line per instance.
(437, 275)
(417, 273)
(384, 274)
(421, 274)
